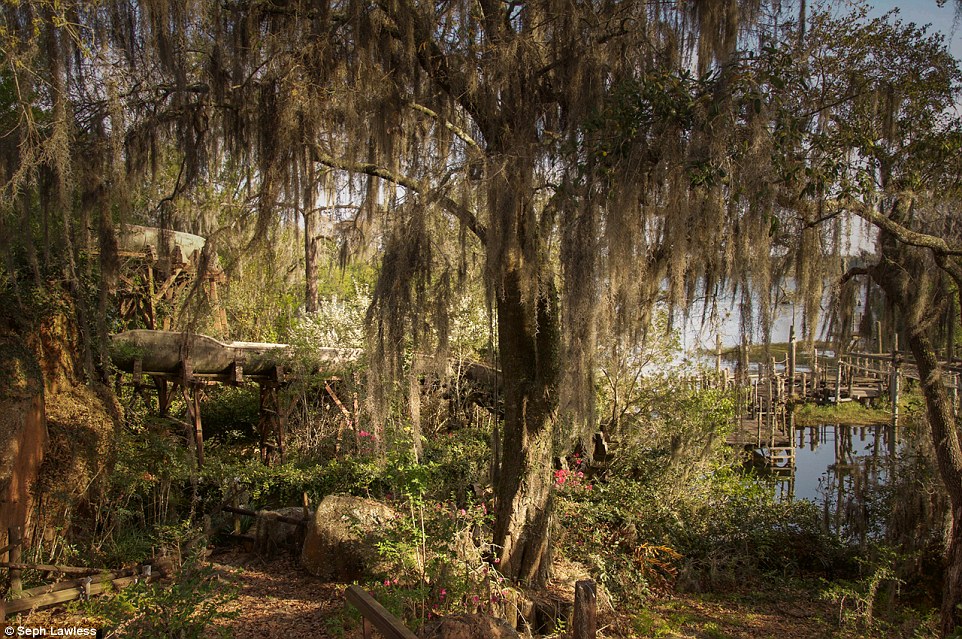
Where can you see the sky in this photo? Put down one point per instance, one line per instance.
(926, 12)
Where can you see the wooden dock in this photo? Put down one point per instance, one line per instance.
(767, 392)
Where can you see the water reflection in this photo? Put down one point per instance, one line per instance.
(840, 468)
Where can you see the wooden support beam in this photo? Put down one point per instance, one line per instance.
(894, 381)
(265, 424)
(186, 372)
(163, 395)
(791, 361)
(236, 373)
(198, 426)
(68, 594)
(192, 398)
(165, 287)
(150, 315)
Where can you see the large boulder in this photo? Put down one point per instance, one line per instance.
(341, 538)
(468, 627)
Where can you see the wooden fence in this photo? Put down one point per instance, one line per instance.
(374, 616)
(90, 582)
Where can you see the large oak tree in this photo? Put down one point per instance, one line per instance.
(591, 153)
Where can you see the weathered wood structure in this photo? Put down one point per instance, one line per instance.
(90, 581)
(766, 395)
(191, 362)
(158, 266)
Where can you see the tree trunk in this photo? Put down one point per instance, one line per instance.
(911, 281)
(529, 344)
(310, 260)
(948, 453)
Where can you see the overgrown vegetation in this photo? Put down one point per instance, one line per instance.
(529, 192)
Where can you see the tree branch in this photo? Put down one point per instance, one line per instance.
(855, 271)
(464, 215)
(455, 129)
(433, 60)
(901, 233)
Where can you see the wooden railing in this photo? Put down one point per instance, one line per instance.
(374, 614)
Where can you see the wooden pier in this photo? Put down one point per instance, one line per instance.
(767, 392)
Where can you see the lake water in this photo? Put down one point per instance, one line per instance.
(830, 456)
(838, 467)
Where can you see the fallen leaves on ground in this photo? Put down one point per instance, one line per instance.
(277, 599)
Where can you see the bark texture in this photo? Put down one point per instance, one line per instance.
(529, 356)
(911, 280)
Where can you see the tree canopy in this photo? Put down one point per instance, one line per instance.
(588, 160)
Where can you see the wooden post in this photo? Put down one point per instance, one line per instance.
(163, 395)
(585, 622)
(16, 541)
(151, 319)
(717, 358)
(851, 372)
(198, 427)
(878, 332)
(838, 379)
(235, 502)
(192, 398)
(894, 382)
(771, 399)
(791, 361)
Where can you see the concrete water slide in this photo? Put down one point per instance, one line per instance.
(162, 242)
(165, 352)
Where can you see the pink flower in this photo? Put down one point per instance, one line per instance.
(387, 583)
(364, 433)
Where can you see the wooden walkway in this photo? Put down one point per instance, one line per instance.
(766, 394)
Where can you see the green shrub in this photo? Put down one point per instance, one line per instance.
(231, 414)
(186, 608)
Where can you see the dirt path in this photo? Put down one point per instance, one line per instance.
(277, 599)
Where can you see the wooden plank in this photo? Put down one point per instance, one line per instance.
(337, 401)
(73, 570)
(69, 594)
(166, 285)
(383, 621)
(73, 583)
(253, 513)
